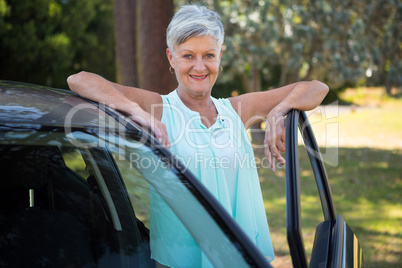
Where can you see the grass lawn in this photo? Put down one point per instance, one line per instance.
(364, 146)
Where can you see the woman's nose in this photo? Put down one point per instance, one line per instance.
(199, 65)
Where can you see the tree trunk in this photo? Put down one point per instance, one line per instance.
(282, 80)
(292, 77)
(309, 73)
(154, 67)
(125, 21)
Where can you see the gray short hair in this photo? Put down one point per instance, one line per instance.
(192, 20)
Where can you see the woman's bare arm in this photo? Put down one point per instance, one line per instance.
(254, 107)
(143, 106)
(274, 105)
(123, 98)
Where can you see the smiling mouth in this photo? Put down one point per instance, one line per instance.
(198, 77)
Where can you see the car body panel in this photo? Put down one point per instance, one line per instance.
(25, 103)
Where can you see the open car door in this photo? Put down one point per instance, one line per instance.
(335, 244)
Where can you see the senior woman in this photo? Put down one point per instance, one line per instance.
(208, 133)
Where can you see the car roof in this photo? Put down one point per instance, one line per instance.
(33, 104)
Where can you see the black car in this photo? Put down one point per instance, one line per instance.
(76, 183)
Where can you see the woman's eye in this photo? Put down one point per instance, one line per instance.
(210, 56)
(187, 56)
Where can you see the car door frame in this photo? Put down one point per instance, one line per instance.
(335, 244)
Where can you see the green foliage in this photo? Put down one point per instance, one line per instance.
(44, 41)
(270, 43)
(385, 44)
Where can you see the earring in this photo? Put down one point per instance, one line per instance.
(171, 70)
(221, 68)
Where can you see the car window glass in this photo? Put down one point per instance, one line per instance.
(48, 208)
(45, 206)
(311, 207)
(75, 175)
(148, 179)
(73, 160)
(310, 203)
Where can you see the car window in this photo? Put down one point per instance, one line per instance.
(152, 183)
(57, 206)
(97, 199)
(74, 161)
(310, 203)
(44, 206)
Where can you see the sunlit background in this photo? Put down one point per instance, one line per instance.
(353, 46)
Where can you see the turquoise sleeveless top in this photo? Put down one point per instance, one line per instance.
(222, 158)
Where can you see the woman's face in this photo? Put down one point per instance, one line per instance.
(196, 63)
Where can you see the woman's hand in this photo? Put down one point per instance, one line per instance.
(275, 133)
(148, 121)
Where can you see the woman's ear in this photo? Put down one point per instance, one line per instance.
(169, 55)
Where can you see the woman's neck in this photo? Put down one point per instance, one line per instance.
(201, 104)
(198, 103)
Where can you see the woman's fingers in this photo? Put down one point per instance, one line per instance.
(275, 140)
(159, 130)
(271, 152)
(269, 156)
(154, 125)
(161, 134)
